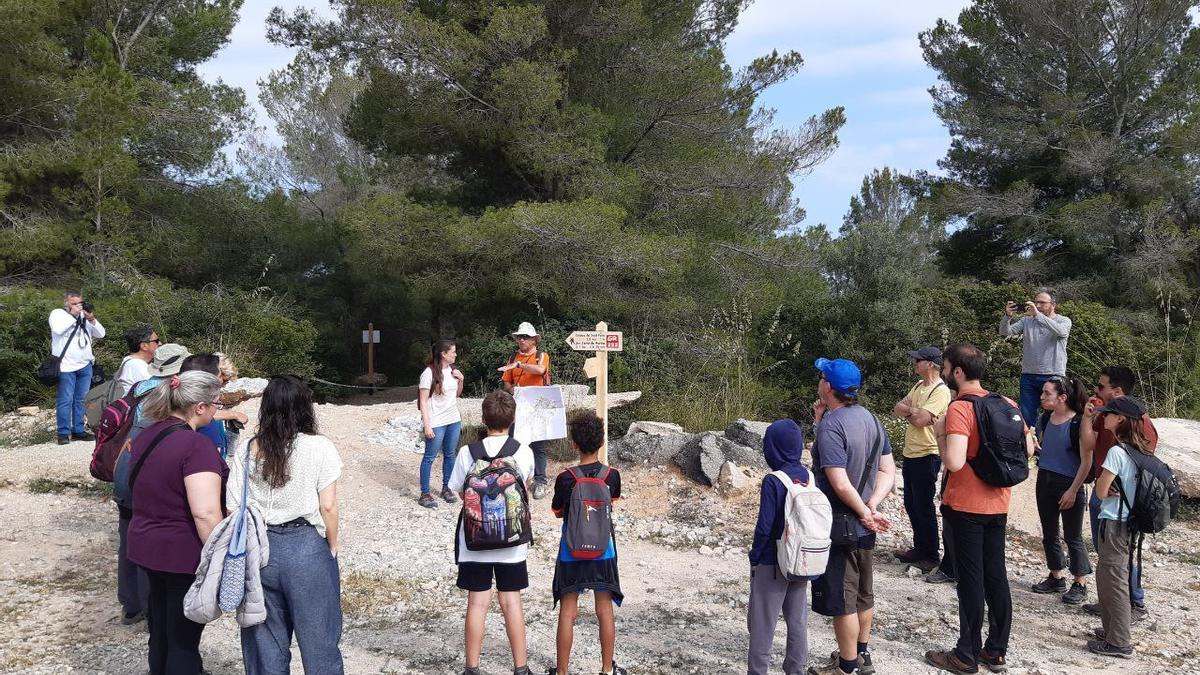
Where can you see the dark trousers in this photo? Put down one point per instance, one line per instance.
(539, 460)
(920, 485)
(947, 564)
(174, 639)
(1050, 488)
(982, 579)
(133, 587)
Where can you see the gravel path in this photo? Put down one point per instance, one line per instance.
(683, 570)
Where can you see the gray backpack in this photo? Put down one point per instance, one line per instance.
(589, 523)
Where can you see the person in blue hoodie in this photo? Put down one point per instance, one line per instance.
(770, 591)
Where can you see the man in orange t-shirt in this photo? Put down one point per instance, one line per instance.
(529, 368)
(1114, 381)
(977, 513)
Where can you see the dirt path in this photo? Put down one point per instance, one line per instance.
(683, 570)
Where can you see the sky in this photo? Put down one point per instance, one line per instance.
(860, 54)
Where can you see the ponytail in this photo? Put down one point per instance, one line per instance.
(436, 365)
(1077, 395)
(178, 393)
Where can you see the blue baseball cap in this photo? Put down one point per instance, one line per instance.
(842, 375)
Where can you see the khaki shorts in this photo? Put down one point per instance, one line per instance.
(848, 585)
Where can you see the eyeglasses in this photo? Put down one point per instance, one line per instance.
(157, 341)
(524, 337)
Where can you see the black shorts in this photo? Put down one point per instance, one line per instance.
(847, 587)
(477, 576)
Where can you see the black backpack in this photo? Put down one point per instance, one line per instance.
(1073, 432)
(1002, 460)
(1155, 499)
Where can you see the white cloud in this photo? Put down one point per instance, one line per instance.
(907, 96)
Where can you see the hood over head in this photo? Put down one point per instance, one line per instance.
(783, 444)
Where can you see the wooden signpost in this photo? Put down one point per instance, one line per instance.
(602, 341)
(370, 338)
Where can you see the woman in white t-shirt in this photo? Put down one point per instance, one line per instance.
(440, 386)
(293, 481)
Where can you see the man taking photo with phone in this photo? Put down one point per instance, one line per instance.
(1044, 332)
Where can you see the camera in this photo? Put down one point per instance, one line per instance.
(88, 307)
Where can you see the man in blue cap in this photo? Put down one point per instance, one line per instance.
(852, 461)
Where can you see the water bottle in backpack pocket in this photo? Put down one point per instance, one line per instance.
(495, 511)
(803, 548)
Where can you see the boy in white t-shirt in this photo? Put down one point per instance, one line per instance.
(505, 566)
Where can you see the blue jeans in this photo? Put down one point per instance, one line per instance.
(303, 595)
(1137, 594)
(68, 408)
(1031, 396)
(920, 485)
(445, 438)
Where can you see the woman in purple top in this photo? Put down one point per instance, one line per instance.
(177, 487)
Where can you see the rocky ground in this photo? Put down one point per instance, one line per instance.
(683, 569)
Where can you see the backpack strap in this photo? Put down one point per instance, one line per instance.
(510, 447)
(571, 470)
(604, 476)
(137, 468)
(477, 451)
(1043, 423)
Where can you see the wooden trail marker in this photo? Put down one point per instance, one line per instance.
(370, 338)
(602, 341)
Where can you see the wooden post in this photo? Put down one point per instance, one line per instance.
(371, 356)
(602, 393)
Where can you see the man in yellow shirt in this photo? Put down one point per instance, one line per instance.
(924, 404)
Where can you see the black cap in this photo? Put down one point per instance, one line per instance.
(1127, 406)
(927, 354)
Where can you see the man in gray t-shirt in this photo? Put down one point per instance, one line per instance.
(1044, 332)
(850, 446)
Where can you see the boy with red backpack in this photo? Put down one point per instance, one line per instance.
(587, 552)
(493, 535)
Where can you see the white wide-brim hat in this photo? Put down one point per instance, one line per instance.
(525, 328)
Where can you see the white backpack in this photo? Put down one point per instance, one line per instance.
(807, 521)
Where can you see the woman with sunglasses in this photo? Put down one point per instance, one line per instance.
(1064, 461)
(177, 480)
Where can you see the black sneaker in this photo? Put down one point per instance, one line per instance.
(1092, 608)
(128, 619)
(1103, 648)
(864, 664)
(996, 663)
(85, 436)
(1076, 595)
(1050, 585)
(64, 440)
(939, 576)
(468, 670)
(909, 556)
(617, 670)
(523, 670)
(1138, 613)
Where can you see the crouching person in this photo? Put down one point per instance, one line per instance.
(772, 589)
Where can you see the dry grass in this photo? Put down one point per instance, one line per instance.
(57, 486)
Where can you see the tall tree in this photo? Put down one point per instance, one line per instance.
(1075, 127)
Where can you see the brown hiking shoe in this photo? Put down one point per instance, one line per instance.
(949, 662)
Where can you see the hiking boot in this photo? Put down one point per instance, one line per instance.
(995, 663)
(449, 496)
(938, 576)
(949, 662)
(926, 566)
(1050, 584)
(1076, 595)
(1099, 633)
(833, 666)
(85, 436)
(427, 500)
(617, 670)
(128, 619)
(468, 670)
(523, 670)
(539, 489)
(1138, 613)
(63, 440)
(1103, 648)
(910, 556)
(1092, 608)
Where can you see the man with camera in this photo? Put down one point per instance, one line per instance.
(72, 330)
(1044, 332)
